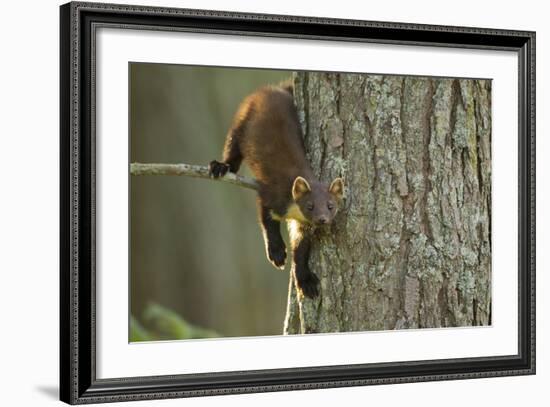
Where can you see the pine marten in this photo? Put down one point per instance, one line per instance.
(266, 134)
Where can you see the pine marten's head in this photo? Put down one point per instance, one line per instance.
(317, 202)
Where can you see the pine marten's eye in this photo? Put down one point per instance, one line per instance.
(330, 206)
(309, 206)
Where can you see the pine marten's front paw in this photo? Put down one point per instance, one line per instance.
(277, 255)
(309, 285)
(217, 169)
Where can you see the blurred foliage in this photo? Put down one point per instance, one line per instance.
(195, 245)
(137, 332)
(160, 323)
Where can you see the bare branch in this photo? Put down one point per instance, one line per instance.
(196, 171)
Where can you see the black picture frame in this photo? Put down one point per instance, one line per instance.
(78, 382)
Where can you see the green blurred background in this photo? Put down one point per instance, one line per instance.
(197, 262)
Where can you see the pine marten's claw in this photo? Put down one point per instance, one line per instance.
(217, 169)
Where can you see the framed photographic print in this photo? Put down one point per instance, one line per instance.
(256, 203)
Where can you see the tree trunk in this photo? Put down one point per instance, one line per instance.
(411, 246)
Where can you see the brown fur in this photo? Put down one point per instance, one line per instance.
(271, 145)
(266, 135)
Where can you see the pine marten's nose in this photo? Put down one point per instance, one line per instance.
(323, 220)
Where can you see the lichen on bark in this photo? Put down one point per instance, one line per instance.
(411, 246)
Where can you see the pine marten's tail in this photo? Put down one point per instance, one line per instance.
(287, 85)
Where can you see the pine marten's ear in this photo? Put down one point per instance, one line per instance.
(299, 188)
(337, 188)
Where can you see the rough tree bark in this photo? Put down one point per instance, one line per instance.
(411, 248)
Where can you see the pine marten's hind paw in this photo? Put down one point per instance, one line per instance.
(309, 285)
(217, 169)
